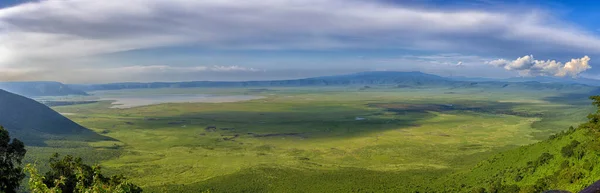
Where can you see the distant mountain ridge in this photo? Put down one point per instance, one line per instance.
(390, 78)
(383, 77)
(33, 122)
(40, 88)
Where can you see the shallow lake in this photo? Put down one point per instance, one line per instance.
(136, 101)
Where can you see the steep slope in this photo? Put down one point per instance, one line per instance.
(35, 89)
(33, 122)
(569, 161)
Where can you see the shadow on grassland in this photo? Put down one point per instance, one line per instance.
(486, 107)
(325, 122)
(303, 123)
(573, 98)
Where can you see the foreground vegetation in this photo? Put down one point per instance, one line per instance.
(66, 174)
(12, 152)
(568, 160)
(314, 139)
(69, 174)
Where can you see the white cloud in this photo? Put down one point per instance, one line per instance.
(44, 34)
(574, 67)
(527, 65)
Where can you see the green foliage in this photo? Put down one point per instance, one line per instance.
(569, 150)
(542, 184)
(544, 159)
(69, 174)
(11, 156)
(36, 181)
(594, 118)
(498, 187)
(533, 168)
(518, 177)
(299, 180)
(478, 190)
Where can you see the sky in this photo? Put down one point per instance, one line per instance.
(90, 41)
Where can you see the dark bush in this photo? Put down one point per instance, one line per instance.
(544, 159)
(569, 150)
(565, 164)
(518, 178)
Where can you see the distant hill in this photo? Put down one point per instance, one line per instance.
(388, 78)
(42, 88)
(383, 78)
(33, 122)
(363, 78)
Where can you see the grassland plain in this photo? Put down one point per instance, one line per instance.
(309, 139)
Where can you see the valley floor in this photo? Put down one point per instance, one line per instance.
(314, 139)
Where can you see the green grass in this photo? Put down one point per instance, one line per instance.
(521, 167)
(397, 148)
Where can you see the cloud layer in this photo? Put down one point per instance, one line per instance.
(529, 66)
(46, 35)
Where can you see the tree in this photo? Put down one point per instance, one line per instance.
(569, 150)
(36, 182)
(11, 156)
(594, 119)
(70, 174)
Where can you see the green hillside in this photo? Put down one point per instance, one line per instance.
(569, 160)
(33, 122)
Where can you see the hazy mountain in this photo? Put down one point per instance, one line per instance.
(362, 78)
(43, 88)
(382, 78)
(389, 78)
(33, 122)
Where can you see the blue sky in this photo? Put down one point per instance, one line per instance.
(85, 41)
(8, 3)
